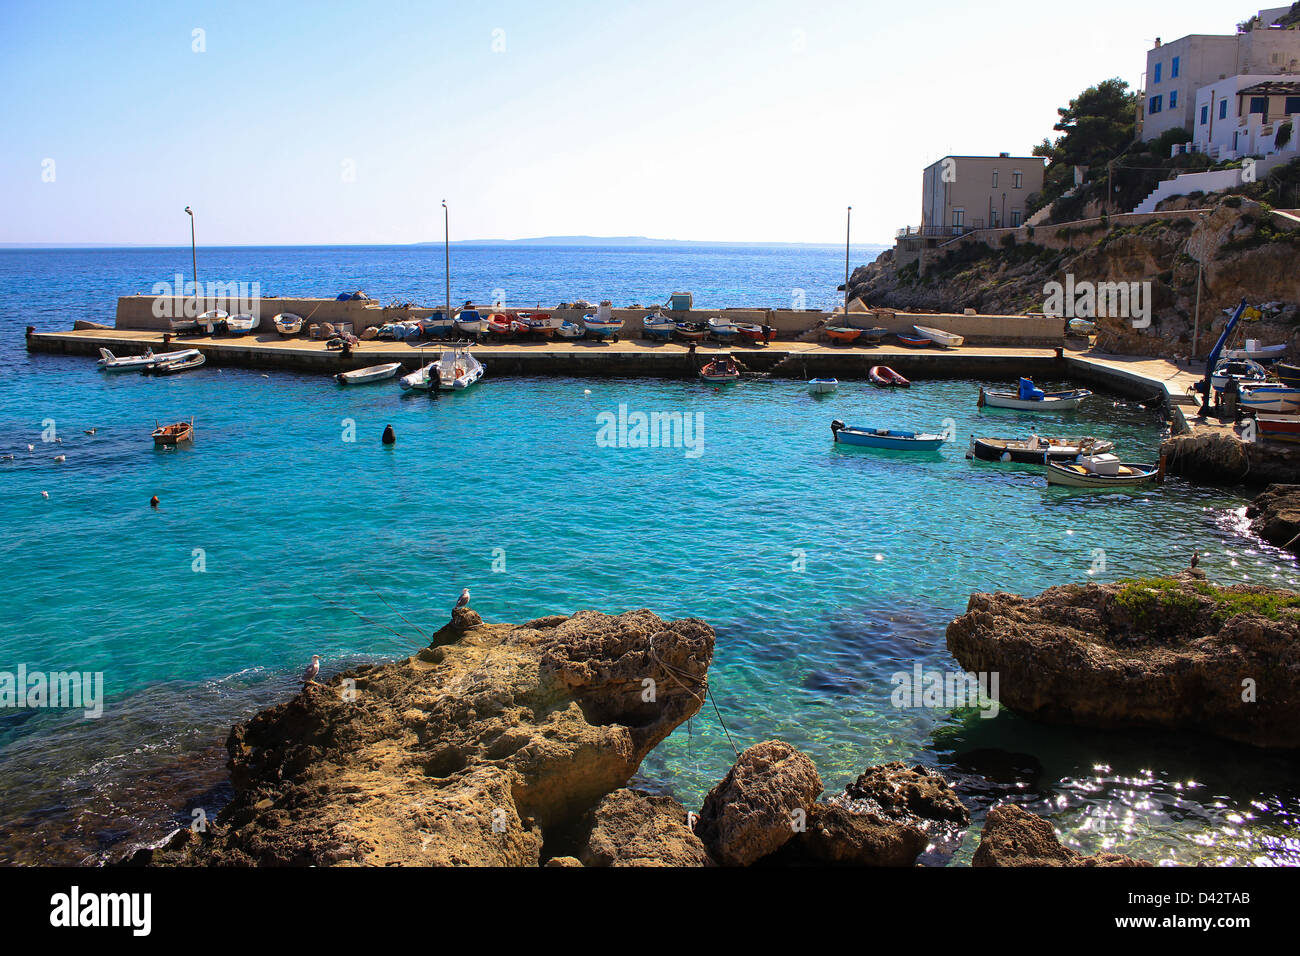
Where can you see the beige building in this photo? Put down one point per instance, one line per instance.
(1177, 71)
(960, 194)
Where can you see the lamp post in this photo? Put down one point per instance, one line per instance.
(446, 256)
(848, 222)
(194, 258)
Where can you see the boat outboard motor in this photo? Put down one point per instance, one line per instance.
(835, 429)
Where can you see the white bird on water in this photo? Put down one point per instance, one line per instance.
(463, 601)
(309, 675)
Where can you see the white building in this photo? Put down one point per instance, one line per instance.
(1241, 115)
(1177, 71)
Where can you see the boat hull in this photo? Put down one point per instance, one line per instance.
(823, 386)
(1279, 427)
(1280, 399)
(885, 438)
(1020, 452)
(882, 376)
(939, 336)
(1068, 477)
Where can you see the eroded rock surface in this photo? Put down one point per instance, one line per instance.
(1015, 837)
(632, 828)
(1275, 516)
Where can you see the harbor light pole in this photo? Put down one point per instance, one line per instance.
(194, 258)
(848, 222)
(446, 256)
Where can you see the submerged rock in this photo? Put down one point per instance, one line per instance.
(1015, 837)
(467, 753)
(758, 805)
(1275, 516)
(1174, 653)
(632, 828)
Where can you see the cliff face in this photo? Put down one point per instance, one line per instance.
(1244, 254)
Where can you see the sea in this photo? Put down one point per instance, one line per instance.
(288, 529)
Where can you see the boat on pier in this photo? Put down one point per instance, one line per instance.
(603, 325)
(286, 323)
(1282, 399)
(658, 326)
(948, 340)
(842, 333)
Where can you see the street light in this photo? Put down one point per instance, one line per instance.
(194, 258)
(446, 253)
(848, 221)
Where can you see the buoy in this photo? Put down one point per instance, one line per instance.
(389, 435)
(153, 502)
(45, 494)
(60, 457)
(586, 391)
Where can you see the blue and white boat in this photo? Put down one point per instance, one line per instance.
(823, 386)
(602, 325)
(658, 326)
(1282, 399)
(470, 322)
(885, 438)
(437, 325)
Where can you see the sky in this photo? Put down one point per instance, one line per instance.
(281, 122)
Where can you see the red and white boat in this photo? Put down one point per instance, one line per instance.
(1278, 427)
(499, 324)
(750, 331)
(882, 376)
(721, 370)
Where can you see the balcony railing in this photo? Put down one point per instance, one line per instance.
(940, 232)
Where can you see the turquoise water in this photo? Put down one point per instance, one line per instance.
(824, 570)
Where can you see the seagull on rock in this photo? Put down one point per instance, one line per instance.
(463, 601)
(309, 675)
(1196, 558)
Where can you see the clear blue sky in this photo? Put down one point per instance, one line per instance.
(747, 120)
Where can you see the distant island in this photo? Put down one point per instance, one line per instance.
(644, 241)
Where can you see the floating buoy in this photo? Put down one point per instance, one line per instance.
(153, 502)
(31, 447)
(60, 457)
(389, 435)
(586, 391)
(45, 494)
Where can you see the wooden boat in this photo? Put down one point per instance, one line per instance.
(177, 366)
(885, 438)
(948, 340)
(874, 336)
(286, 323)
(1256, 352)
(915, 341)
(570, 330)
(519, 326)
(437, 325)
(750, 330)
(658, 326)
(691, 331)
(603, 325)
(721, 370)
(1034, 399)
(173, 434)
(1036, 450)
(882, 376)
(1270, 398)
(823, 386)
(1245, 371)
(842, 333)
(1100, 471)
(1279, 427)
(470, 322)
(211, 319)
(242, 324)
(724, 330)
(183, 324)
(1288, 373)
(364, 376)
(541, 323)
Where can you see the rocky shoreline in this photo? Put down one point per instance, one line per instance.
(513, 745)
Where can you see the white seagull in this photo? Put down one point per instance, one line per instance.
(309, 675)
(463, 601)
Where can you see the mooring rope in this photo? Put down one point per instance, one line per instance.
(708, 691)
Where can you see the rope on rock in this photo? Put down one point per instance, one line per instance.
(708, 691)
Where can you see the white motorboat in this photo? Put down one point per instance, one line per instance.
(183, 362)
(823, 386)
(455, 370)
(207, 321)
(570, 330)
(364, 376)
(724, 330)
(242, 324)
(1030, 399)
(286, 323)
(1256, 352)
(109, 362)
(939, 336)
(1245, 371)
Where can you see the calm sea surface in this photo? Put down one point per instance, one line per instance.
(825, 570)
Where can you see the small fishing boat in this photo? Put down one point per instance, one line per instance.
(1031, 399)
(183, 324)
(724, 330)
(519, 326)
(176, 366)
(885, 438)
(242, 324)
(658, 326)
(286, 323)
(603, 325)
(173, 434)
(823, 386)
(541, 323)
(1036, 450)
(882, 376)
(1288, 373)
(211, 319)
(1081, 327)
(455, 370)
(1282, 399)
(874, 336)
(721, 370)
(1254, 351)
(108, 362)
(499, 325)
(948, 340)
(842, 333)
(570, 330)
(1100, 471)
(691, 331)
(750, 331)
(1245, 371)
(437, 325)
(915, 341)
(1279, 427)
(364, 376)
(470, 322)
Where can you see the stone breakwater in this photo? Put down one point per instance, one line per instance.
(511, 745)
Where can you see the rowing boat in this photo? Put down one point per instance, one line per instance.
(885, 438)
(364, 376)
(1034, 399)
(948, 340)
(1036, 450)
(1100, 471)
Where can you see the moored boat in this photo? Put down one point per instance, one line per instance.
(1100, 471)
(948, 340)
(173, 434)
(1245, 371)
(1036, 450)
(915, 341)
(1256, 352)
(364, 376)
(242, 324)
(286, 323)
(456, 370)
(724, 330)
(823, 386)
(1033, 399)
(108, 362)
(1271, 398)
(177, 365)
(1279, 427)
(1288, 373)
(721, 370)
(885, 438)
(882, 376)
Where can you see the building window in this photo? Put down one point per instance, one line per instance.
(1223, 109)
(995, 179)
(1157, 104)
(1292, 105)
(1173, 99)
(1157, 79)
(958, 219)
(1259, 104)
(1173, 70)
(1015, 217)
(1205, 115)
(1017, 180)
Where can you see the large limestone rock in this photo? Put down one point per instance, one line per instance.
(1275, 516)
(631, 828)
(909, 793)
(758, 805)
(1015, 837)
(467, 753)
(839, 836)
(1173, 653)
